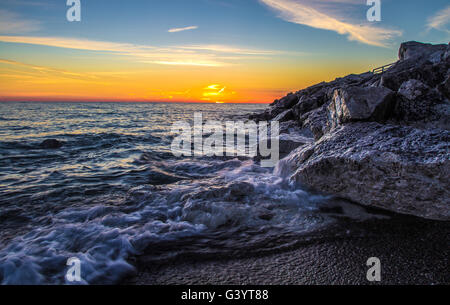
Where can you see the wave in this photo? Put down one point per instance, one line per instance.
(240, 198)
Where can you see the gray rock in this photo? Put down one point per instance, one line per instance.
(291, 163)
(444, 87)
(356, 104)
(284, 116)
(355, 79)
(287, 101)
(427, 73)
(420, 106)
(412, 89)
(289, 142)
(401, 169)
(289, 126)
(308, 103)
(425, 62)
(446, 56)
(274, 112)
(393, 79)
(436, 57)
(416, 51)
(316, 122)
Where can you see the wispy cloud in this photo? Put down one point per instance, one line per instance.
(329, 15)
(175, 30)
(27, 3)
(196, 55)
(187, 63)
(75, 43)
(47, 71)
(229, 49)
(440, 21)
(12, 23)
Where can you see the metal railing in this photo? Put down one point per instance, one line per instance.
(383, 68)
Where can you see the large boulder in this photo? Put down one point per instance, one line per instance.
(413, 50)
(401, 169)
(425, 62)
(360, 103)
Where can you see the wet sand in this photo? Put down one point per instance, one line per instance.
(411, 250)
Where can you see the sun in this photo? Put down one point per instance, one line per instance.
(214, 92)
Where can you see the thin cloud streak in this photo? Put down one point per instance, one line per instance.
(186, 63)
(198, 55)
(49, 71)
(188, 28)
(229, 49)
(12, 23)
(312, 14)
(440, 20)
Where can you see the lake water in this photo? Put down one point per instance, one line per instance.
(114, 192)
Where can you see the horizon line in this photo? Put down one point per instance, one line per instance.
(124, 101)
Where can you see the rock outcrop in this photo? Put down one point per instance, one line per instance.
(360, 104)
(377, 139)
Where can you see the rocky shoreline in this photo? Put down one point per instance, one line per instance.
(377, 139)
(380, 140)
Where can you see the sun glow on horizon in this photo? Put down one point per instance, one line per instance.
(215, 91)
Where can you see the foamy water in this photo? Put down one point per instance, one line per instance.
(114, 192)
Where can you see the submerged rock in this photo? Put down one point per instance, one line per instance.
(241, 189)
(380, 140)
(51, 144)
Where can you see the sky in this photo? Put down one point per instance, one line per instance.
(242, 51)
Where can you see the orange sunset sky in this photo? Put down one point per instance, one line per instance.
(197, 51)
